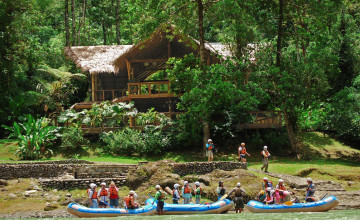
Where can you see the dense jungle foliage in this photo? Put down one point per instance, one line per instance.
(308, 65)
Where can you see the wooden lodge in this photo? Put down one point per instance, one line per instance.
(120, 73)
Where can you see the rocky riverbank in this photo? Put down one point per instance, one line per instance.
(27, 198)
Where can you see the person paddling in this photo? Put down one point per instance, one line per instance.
(281, 193)
(310, 191)
(265, 154)
(269, 196)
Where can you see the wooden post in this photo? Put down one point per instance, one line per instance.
(128, 66)
(149, 88)
(170, 110)
(113, 94)
(103, 95)
(93, 87)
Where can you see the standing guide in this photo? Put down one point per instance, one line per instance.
(210, 150)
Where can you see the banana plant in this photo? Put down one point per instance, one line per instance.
(33, 136)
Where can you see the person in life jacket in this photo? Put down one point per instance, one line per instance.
(266, 183)
(210, 150)
(242, 153)
(198, 192)
(260, 196)
(310, 191)
(114, 195)
(220, 190)
(269, 196)
(238, 198)
(160, 198)
(103, 196)
(265, 154)
(281, 194)
(176, 194)
(92, 196)
(186, 192)
(130, 201)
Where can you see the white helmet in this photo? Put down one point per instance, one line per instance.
(265, 178)
(132, 192)
(265, 147)
(103, 184)
(186, 182)
(238, 184)
(92, 185)
(176, 185)
(268, 189)
(281, 181)
(309, 179)
(197, 183)
(157, 187)
(209, 140)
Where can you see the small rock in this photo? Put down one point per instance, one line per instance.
(68, 195)
(55, 190)
(55, 198)
(4, 190)
(3, 182)
(350, 183)
(30, 192)
(12, 195)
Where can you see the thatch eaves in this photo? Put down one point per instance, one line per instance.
(96, 59)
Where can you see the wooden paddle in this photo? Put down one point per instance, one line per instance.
(223, 197)
(288, 203)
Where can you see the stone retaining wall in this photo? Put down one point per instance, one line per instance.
(79, 183)
(45, 170)
(205, 167)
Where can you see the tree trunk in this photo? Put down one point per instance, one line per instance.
(66, 17)
(203, 52)
(104, 31)
(278, 46)
(73, 22)
(203, 60)
(84, 22)
(117, 14)
(291, 134)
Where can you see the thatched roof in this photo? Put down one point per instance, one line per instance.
(96, 59)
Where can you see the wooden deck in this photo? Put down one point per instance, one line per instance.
(264, 119)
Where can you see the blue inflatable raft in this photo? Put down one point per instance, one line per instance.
(84, 212)
(318, 206)
(218, 207)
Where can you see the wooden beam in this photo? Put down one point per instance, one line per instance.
(148, 60)
(128, 66)
(93, 87)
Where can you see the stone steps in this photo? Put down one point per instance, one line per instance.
(79, 183)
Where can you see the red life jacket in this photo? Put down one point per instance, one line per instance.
(113, 193)
(243, 150)
(210, 147)
(266, 153)
(129, 200)
(187, 190)
(269, 198)
(282, 187)
(103, 192)
(94, 195)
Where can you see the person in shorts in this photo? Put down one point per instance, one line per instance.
(92, 196)
(238, 198)
(103, 196)
(114, 195)
(160, 198)
(210, 150)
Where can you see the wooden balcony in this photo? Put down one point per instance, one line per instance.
(264, 119)
(145, 90)
(110, 94)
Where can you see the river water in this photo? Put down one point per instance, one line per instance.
(343, 214)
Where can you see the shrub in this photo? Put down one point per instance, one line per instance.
(33, 136)
(72, 138)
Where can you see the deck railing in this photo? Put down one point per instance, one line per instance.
(149, 89)
(264, 119)
(109, 94)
